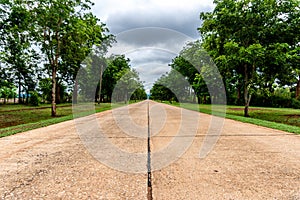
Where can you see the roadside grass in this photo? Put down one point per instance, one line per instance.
(284, 119)
(14, 107)
(19, 118)
(15, 118)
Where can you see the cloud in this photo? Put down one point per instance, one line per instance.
(150, 50)
(143, 56)
(149, 38)
(151, 32)
(151, 64)
(150, 72)
(182, 16)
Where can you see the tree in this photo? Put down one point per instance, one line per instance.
(171, 86)
(61, 27)
(116, 67)
(89, 78)
(44, 88)
(128, 82)
(139, 93)
(88, 41)
(18, 55)
(162, 93)
(196, 65)
(251, 39)
(7, 90)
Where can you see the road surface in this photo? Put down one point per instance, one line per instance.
(72, 160)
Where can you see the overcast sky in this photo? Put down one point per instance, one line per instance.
(151, 32)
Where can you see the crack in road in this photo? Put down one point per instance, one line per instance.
(25, 182)
(149, 195)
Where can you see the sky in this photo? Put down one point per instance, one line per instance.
(151, 32)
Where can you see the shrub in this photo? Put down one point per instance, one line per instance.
(34, 99)
(275, 101)
(295, 103)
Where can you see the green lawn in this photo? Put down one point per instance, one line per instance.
(285, 119)
(19, 118)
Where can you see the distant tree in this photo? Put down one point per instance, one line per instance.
(171, 86)
(7, 90)
(44, 88)
(117, 65)
(139, 93)
(128, 82)
(89, 78)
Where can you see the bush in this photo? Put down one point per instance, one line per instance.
(34, 99)
(295, 103)
(275, 101)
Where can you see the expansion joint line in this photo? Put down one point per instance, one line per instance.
(149, 195)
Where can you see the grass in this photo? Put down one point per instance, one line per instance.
(284, 119)
(15, 118)
(19, 118)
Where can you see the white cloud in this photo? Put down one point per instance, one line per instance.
(151, 50)
(119, 14)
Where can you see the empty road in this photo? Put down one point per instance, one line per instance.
(150, 151)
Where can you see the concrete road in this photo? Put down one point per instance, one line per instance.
(106, 156)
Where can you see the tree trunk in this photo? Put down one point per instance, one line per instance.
(27, 97)
(199, 99)
(246, 93)
(53, 111)
(298, 89)
(100, 84)
(57, 95)
(194, 98)
(205, 100)
(238, 94)
(20, 98)
(75, 95)
(126, 96)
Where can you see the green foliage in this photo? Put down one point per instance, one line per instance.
(252, 41)
(34, 99)
(109, 78)
(7, 90)
(171, 86)
(64, 32)
(128, 82)
(162, 93)
(117, 66)
(45, 87)
(193, 74)
(139, 93)
(283, 92)
(18, 56)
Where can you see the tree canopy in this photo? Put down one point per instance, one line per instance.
(252, 41)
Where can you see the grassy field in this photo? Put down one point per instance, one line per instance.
(278, 118)
(19, 118)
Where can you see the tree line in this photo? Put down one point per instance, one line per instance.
(255, 46)
(44, 45)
